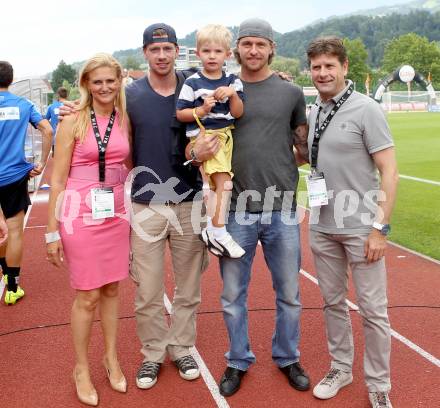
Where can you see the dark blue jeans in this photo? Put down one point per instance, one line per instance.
(279, 236)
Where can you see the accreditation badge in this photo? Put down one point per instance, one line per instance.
(316, 190)
(103, 203)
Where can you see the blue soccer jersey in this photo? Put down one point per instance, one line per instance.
(196, 88)
(52, 116)
(15, 115)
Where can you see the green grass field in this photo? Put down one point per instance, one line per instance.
(416, 217)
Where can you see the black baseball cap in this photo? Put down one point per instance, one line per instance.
(153, 35)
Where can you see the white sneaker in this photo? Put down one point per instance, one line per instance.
(329, 386)
(379, 400)
(230, 248)
(211, 243)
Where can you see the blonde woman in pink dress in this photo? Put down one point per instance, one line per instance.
(89, 227)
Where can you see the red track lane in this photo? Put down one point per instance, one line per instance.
(36, 364)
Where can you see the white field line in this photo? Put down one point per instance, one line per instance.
(403, 176)
(436, 183)
(428, 258)
(206, 374)
(26, 217)
(396, 335)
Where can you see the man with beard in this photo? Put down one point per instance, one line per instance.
(263, 206)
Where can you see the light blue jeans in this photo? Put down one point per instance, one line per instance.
(279, 236)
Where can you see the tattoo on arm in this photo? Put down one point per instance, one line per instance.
(300, 141)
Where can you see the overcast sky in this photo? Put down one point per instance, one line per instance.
(36, 34)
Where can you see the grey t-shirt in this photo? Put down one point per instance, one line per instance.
(263, 163)
(358, 130)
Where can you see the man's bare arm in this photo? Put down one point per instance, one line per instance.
(205, 147)
(385, 161)
(300, 143)
(46, 132)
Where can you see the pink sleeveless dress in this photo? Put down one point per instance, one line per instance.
(96, 251)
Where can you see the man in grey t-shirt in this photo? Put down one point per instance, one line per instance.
(263, 207)
(351, 229)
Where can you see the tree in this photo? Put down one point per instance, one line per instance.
(64, 72)
(303, 79)
(435, 75)
(287, 65)
(131, 62)
(73, 91)
(357, 62)
(414, 50)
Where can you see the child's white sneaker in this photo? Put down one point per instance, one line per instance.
(230, 248)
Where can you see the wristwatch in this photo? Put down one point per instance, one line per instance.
(384, 229)
(193, 156)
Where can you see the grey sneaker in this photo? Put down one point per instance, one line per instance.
(188, 368)
(379, 400)
(147, 374)
(330, 385)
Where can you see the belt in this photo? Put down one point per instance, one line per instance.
(113, 175)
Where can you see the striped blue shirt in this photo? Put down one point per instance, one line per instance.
(196, 88)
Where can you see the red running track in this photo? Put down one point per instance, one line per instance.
(37, 354)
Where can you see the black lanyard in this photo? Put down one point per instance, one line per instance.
(102, 144)
(319, 130)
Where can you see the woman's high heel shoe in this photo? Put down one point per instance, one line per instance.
(121, 385)
(88, 399)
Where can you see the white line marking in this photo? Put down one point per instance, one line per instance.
(436, 183)
(26, 217)
(36, 226)
(428, 258)
(206, 374)
(396, 335)
(403, 176)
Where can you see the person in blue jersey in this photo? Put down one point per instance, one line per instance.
(15, 115)
(53, 111)
(212, 99)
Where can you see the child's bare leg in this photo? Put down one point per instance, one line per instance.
(218, 202)
(208, 196)
(223, 189)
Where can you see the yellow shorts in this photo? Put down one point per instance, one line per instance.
(221, 162)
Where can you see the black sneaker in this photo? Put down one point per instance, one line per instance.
(231, 381)
(297, 377)
(188, 368)
(147, 374)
